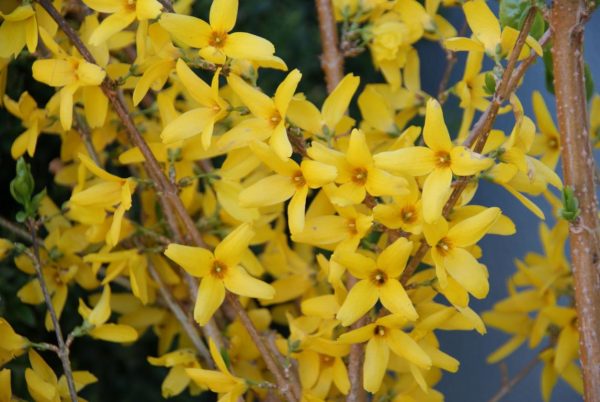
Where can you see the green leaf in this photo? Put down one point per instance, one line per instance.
(538, 27)
(570, 210)
(513, 12)
(589, 82)
(490, 84)
(21, 187)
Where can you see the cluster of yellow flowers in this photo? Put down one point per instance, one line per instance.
(342, 231)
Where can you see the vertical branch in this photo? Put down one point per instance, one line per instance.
(356, 358)
(566, 22)
(63, 350)
(332, 60)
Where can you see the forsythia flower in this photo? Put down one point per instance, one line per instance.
(448, 250)
(215, 40)
(292, 180)
(44, 386)
(270, 113)
(219, 271)
(439, 161)
(92, 202)
(19, 28)
(229, 387)
(200, 120)
(70, 73)
(378, 280)
(122, 14)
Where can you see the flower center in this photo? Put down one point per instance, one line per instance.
(442, 159)
(219, 269)
(298, 179)
(552, 143)
(379, 278)
(326, 360)
(217, 39)
(379, 331)
(444, 246)
(275, 119)
(352, 226)
(408, 214)
(359, 176)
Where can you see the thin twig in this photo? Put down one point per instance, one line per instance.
(510, 384)
(167, 5)
(451, 60)
(15, 229)
(86, 137)
(63, 351)
(356, 357)
(285, 387)
(187, 325)
(332, 60)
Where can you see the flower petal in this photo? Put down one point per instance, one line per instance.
(231, 248)
(436, 190)
(111, 25)
(268, 191)
(405, 346)
(393, 259)
(469, 231)
(467, 271)
(239, 282)
(337, 102)
(465, 162)
(195, 260)
(296, 210)
(246, 46)
(223, 14)
(210, 297)
(360, 299)
(187, 125)
(394, 298)
(190, 30)
(285, 91)
(435, 132)
(377, 355)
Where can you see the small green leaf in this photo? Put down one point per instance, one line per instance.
(512, 13)
(570, 210)
(490, 84)
(589, 82)
(549, 71)
(21, 187)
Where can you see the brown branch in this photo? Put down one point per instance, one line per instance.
(15, 229)
(356, 358)
(63, 351)
(168, 6)
(451, 60)
(332, 60)
(86, 137)
(187, 325)
(167, 191)
(566, 22)
(510, 384)
(289, 389)
(480, 131)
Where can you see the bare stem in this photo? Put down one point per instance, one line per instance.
(289, 389)
(451, 60)
(511, 383)
(187, 325)
(567, 19)
(63, 351)
(86, 136)
(355, 360)
(15, 229)
(332, 60)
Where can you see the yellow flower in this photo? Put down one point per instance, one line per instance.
(270, 113)
(384, 335)
(594, 120)
(331, 119)
(70, 73)
(292, 180)
(439, 161)
(199, 120)
(18, 29)
(11, 343)
(229, 387)
(215, 40)
(178, 361)
(357, 172)
(5, 387)
(547, 142)
(32, 118)
(450, 254)
(405, 212)
(95, 321)
(44, 386)
(219, 271)
(122, 14)
(93, 201)
(488, 37)
(378, 280)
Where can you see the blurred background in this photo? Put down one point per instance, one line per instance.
(291, 25)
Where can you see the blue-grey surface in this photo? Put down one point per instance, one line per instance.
(477, 381)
